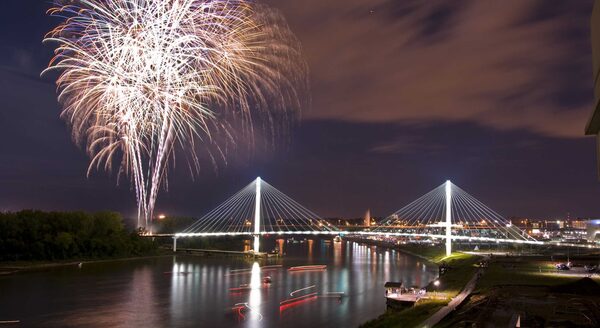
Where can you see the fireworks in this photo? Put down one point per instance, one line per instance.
(140, 77)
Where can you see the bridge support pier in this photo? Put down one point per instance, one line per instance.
(174, 244)
(256, 244)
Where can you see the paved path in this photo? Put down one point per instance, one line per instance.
(443, 312)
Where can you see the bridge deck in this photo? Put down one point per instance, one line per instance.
(360, 233)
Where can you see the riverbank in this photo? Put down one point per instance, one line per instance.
(532, 291)
(9, 268)
(428, 253)
(462, 269)
(515, 288)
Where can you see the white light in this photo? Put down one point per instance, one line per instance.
(448, 217)
(257, 215)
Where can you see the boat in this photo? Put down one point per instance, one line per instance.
(308, 268)
(298, 299)
(266, 280)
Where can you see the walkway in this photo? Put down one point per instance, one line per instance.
(456, 301)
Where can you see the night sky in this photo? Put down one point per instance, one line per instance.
(493, 95)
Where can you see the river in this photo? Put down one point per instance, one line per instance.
(190, 291)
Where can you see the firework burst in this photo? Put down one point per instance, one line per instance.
(137, 78)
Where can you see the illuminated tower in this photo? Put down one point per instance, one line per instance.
(257, 216)
(367, 220)
(448, 223)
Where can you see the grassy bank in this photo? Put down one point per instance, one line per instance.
(532, 290)
(410, 317)
(518, 271)
(462, 269)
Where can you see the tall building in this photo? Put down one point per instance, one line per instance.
(367, 219)
(593, 125)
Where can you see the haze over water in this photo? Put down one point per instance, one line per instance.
(146, 293)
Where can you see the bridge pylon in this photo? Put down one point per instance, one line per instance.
(450, 214)
(448, 223)
(257, 198)
(257, 210)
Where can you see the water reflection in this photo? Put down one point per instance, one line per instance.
(189, 291)
(255, 295)
(337, 253)
(279, 246)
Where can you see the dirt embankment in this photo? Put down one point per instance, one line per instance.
(571, 305)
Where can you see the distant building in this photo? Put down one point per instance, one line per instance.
(578, 224)
(567, 229)
(593, 125)
(593, 230)
(367, 219)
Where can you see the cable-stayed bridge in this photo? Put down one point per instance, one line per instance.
(259, 209)
(447, 212)
(450, 213)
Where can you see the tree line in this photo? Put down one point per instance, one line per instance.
(37, 235)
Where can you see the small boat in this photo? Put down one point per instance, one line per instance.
(266, 280)
(302, 289)
(298, 299)
(308, 268)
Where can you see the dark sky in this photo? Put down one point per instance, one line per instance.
(405, 94)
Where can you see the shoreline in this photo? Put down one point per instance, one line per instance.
(430, 261)
(10, 268)
(420, 313)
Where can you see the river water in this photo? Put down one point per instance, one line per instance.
(190, 291)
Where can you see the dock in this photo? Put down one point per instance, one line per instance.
(399, 297)
(400, 301)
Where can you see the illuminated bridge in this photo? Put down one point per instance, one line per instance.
(447, 212)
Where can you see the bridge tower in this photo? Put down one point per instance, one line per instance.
(257, 216)
(448, 223)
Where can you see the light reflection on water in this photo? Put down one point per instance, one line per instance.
(255, 295)
(186, 291)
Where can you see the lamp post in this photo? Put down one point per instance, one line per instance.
(436, 284)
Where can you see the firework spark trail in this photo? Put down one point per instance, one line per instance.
(139, 77)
